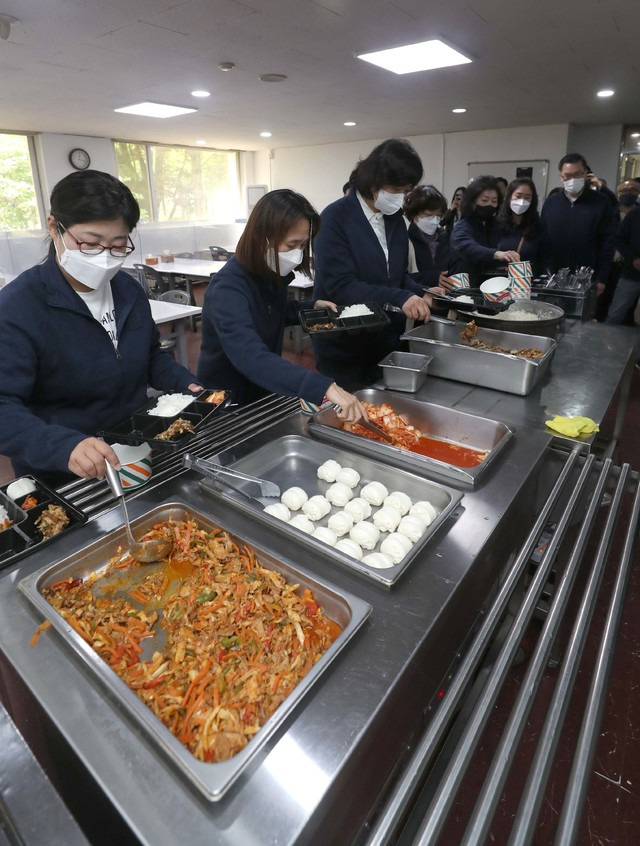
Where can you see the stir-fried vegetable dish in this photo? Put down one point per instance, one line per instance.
(468, 335)
(52, 521)
(238, 636)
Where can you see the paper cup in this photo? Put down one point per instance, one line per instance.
(496, 289)
(459, 280)
(135, 463)
(520, 275)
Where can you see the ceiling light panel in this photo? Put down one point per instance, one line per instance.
(426, 55)
(157, 110)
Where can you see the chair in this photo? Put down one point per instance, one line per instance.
(186, 255)
(220, 254)
(154, 282)
(168, 344)
(176, 296)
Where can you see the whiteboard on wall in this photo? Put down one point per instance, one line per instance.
(536, 169)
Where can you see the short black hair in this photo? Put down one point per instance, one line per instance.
(573, 158)
(424, 198)
(473, 191)
(89, 195)
(394, 162)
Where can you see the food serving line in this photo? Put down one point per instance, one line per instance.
(351, 760)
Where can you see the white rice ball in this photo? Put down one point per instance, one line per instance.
(341, 522)
(279, 510)
(396, 546)
(303, 523)
(413, 527)
(398, 500)
(294, 498)
(329, 470)
(349, 477)
(339, 494)
(387, 519)
(358, 508)
(20, 488)
(316, 508)
(378, 560)
(350, 548)
(325, 535)
(365, 534)
(375, 493)
(424, 510)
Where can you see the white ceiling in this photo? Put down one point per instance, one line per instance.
(69, 63)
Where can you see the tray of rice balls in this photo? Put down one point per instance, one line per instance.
(31, 515)
(359, 513)
(168, 421)
(321, 321)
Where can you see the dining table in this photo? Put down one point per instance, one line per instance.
(177, 314)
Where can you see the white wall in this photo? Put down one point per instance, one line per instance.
(319, 172)
(600, 145)
(53, 154)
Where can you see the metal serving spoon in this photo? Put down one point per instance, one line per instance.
(144, 551)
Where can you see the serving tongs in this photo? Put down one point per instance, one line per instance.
(218, 473)
(482, 307)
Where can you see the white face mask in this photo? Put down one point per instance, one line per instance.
(288, 261)
(428, 225)
(91, 271)
(519, 206)
(574, 186)
(388, 203)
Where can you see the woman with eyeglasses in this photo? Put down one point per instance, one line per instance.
(78, 344)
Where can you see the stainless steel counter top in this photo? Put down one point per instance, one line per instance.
(592, 360)
(321, 775)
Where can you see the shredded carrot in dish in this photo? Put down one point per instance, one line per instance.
(238, 636)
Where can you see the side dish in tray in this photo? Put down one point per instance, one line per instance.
(238, 638)
(468, 335)
(406, 436)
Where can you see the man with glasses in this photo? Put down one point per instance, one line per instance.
(578, 224)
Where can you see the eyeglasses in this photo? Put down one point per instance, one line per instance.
(89, 249)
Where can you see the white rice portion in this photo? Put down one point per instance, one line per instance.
(359, 310)
(170, 404)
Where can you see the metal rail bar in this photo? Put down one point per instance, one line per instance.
(524, 828)
(570, 818)
(445, 793)
(399, 802)
(482, 815)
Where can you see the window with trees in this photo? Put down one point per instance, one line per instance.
(20, 207)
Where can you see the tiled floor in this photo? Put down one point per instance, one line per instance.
(613, 806)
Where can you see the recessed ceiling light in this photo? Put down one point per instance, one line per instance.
(201, 142)
(458, 111)
(265, 135)
(200, 93)
(226, 66)
(272, 77)
(426, 55)
(158, 110)
(635, 134)
(349, 123)
(606, 92)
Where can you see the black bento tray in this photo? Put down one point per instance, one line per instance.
(141, 427)
(22, 536)
(311, 317)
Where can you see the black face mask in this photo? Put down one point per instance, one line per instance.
(628, 199)
(485, 212)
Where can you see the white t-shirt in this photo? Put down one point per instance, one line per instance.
(100, 304)
(376, 219)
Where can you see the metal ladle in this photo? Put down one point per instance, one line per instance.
(144, 551)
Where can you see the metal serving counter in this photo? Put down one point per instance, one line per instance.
(592, 361)
(319, 779)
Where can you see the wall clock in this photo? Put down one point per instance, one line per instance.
(79, 158)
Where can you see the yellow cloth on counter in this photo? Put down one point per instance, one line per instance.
(573, 426)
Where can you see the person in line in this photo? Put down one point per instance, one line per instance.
(502, 187)
(246, 310)
(474, 240)
(424, 208)
(627, 196)
(452, 216)
(361, 255)
(578, 226)
(78, 343)
(519, 221)
(628, 287)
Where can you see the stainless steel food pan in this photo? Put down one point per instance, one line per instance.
(212, 779)
(293, 461)
(452, 359)
(405, 371)
(447, 423)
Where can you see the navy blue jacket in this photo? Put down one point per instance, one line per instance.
(429, 267)
(530, 250)
(628, 244)
(350, 267)
(62, 378)
(579, 234)
(473, 243)
(243, 323)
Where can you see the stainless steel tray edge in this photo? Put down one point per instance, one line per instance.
(327, 426)
(386, 577)
(213, 780)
